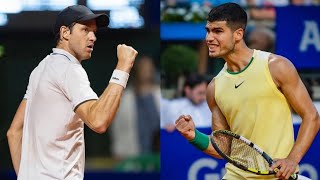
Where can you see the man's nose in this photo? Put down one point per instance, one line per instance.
(93, 37)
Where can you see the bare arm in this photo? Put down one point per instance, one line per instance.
(99, 114)
(288, 81)
(186, 126)
(218, 120)
(14, 135)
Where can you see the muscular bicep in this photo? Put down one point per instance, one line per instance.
(98, 114)
(288, 81)
(76, 87)
(83, 111)
(218, 119)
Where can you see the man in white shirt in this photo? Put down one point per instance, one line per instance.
(193, 102)
(46, 137)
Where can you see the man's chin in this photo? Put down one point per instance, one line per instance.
(87, 57)
(196, 103)
(214, 55)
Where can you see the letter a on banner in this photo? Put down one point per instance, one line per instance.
(310, 36)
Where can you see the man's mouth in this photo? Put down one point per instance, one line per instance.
(90, 47)
(212, 47)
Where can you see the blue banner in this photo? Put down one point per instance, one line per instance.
(183, 31)
(180, 160)
(298, 35)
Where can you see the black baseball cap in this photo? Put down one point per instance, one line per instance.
(78, 13)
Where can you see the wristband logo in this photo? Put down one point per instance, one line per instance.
(115, 78)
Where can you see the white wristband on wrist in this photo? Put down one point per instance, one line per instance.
(119, 77)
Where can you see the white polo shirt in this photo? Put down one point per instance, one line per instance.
(53, 135)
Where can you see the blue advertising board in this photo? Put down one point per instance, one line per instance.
(180, 160)
(298, 35)
(182, 31)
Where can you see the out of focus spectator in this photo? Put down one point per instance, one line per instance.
(138, 117)
(264, 9)
(219, 2)
(261, 38)
(165, 115)
(304, 2)
(192, 103)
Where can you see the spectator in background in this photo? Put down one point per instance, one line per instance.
(219, 2)
(261, 38)
(193, 102)
(164, 115)
(202, 2)
(304, 2)
(138, 117)
(264, 9)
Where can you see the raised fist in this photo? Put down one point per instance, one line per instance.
(126, 56)
(185, 125)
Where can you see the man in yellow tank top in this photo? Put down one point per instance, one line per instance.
(251, 96)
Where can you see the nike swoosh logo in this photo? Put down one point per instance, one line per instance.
(236, 86)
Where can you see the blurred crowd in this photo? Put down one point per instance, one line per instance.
(135, 136)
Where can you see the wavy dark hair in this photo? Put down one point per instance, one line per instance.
(232, 13)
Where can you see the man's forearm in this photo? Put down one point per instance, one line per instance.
(102, 112)
(15, 142)
(212, 152)
(307, 132)
(14, 135)
(99, 114)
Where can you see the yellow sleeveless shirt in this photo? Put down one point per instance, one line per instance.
(255, 109)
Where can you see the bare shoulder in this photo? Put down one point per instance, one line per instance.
(281, 69)
(210, 94)
(277, 61)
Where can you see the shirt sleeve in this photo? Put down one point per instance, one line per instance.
(28, 91)
(27, 94)
(77, 86)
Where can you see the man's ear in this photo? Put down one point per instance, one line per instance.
(239, 34)
(64, 33)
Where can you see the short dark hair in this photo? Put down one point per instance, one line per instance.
(232, 13)
(193, 80)
(57, 35)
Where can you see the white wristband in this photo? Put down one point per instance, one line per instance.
(119, 77)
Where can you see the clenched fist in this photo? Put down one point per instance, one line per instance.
(126, 56)
(185, 125)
